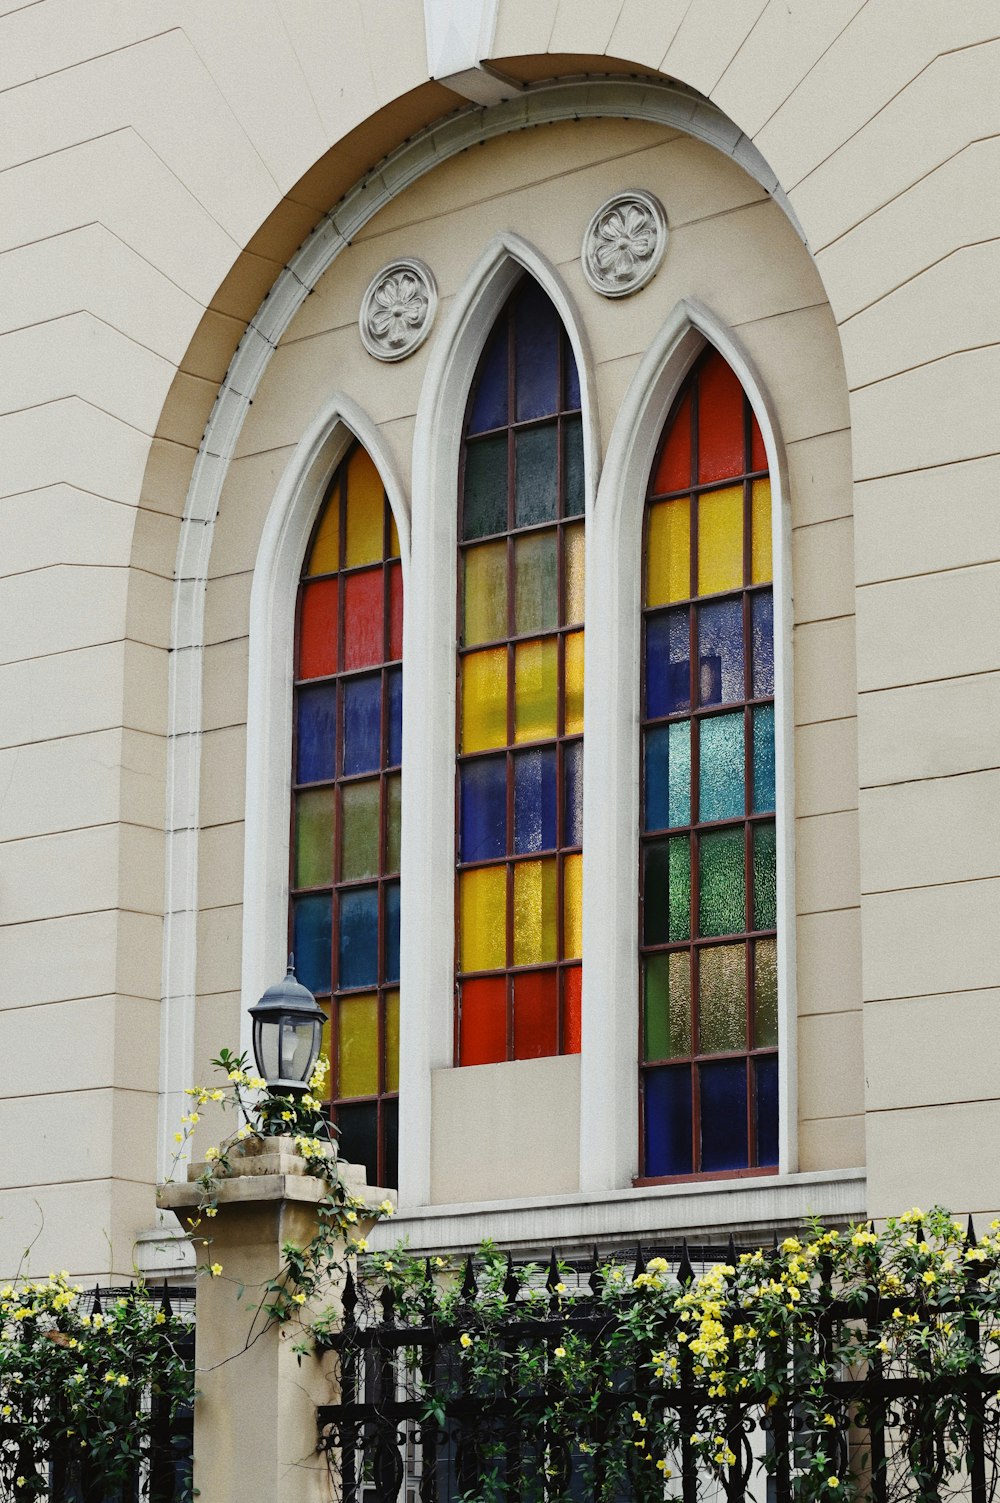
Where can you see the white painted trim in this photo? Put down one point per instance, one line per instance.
(638, 99)
(749, 1208)
(609, 1066)
(428, 833)
(290, 518)
(459, 35)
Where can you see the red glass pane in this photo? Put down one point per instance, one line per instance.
(483, 1039)
(536, 1011)
(758, 454)
(318, 629)
(395, 611)
(572, 1016)
(673, 473)
(720, 421)
(363, 624)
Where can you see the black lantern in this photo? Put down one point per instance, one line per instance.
(287, 1032)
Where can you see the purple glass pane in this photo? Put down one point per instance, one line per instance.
(724, 1115)
(535, 801)
(536, 354)
(316, 734)
(668, 666)
(720, 652)
(573, 793)
(358, 937)
(668, 1122)
(766, 1071)
(762, 617)
(395, 738)
(312, 928)
(392, 932)
(483, 810)
(489, 402)
(363, 724)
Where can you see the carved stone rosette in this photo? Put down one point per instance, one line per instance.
(624, 242)
(398, 309)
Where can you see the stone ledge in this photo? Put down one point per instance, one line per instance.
(262, 1169)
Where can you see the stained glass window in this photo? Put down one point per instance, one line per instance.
(708, 951)
(344, 920)
(520, 694)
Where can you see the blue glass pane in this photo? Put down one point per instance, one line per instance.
(535, 801)
(720, 652)
(392, 931)
(358, 937)
(722, 773)
(573, 793)
(668, 667)
(536, 354)
(668, 775)
(489, 404)
(312, 928)
(762, 617)
(572, 379)
(668, 1122)
(316, 734)
(357, 1136)
(395, 746)
(766, 1071)
(363, 724)
(763, 759)
(724, 1115)
(483, 810)
(536, 475)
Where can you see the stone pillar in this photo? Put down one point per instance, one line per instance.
(255, 1414)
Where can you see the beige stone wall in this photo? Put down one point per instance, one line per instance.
(159, 162)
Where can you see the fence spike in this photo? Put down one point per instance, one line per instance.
(98, 1307)
(165, 1305)
(731, 1250)
(970, 1233)
(640, 1262)
(511, 1286)
(387, 1299)
(685, 1270)
(469, 1286)
(349, 1299)
(553, 1277)
(595, 1280)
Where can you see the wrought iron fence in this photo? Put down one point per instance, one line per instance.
(408, 1426)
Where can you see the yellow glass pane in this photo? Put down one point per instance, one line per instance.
(394, 549)
(574, 684)
(574, 569)
(536, 689)
(572, 908)
(324, 556)
(536, 934)
(483, 923)
(484, 699)
(485, 594)
(357, 1030)
(364, 511)
(324, 1043)
(720, 540)
(668, 552)
(761, 564)
(392, 1041)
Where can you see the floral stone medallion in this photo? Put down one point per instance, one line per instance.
(398, 309)
(624, 242)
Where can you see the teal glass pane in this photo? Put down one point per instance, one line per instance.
(573, 498)
(722, 771)
(765, 878)
(667, 765)
(484, 504)
(763, 759)
(535, 475)
(722, 883)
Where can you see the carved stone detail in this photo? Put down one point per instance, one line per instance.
(624, 242)
(398, 309)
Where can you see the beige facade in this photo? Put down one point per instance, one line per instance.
(193, 200)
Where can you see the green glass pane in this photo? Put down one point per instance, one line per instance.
(535, 475)
(667, 1005)
(359, 830)
(722, 771)
(722, 883)
(536, 583)
(763, 759)
(484, 507)
(722, 998)
(573, 495)
(666, 891)
(765, 994)
(680, 887)
(393, 804)
(314, 838)
(765, 879)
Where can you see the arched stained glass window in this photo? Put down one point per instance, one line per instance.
(520, 694)
(708, 953)
(344, 921)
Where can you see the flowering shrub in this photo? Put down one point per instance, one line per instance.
(78, 1386)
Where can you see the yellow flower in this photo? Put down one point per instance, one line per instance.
(833, 1482)
(465, 1340)
(560, 1351)
(256, 1084)
(286, 1116)
(439, 1262)
(122, 1380)
(178, 1137)
(560, 1288)
(362, 1244)
(211, 1210)
(388, 1267)
(661, 1466)
(387, 1208)
(299, 1298)
(159, 1318)
(6, 1411)
(215, 1270)
(211, 1154)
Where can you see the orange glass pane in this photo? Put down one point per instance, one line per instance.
(572, 1010)
(574, 574)
(536, 935)
(392, 1041)
(574, 684)
(572, 908)
(324, 557)
(536, 1014)
(364, 627)
(720, 421)
(483, 918)
(357, 1039)
(668, 551)
(483, 1021)
(758, 454)
(484, 699)
(720, 540)
(761, 563)
(365, 511)
(318, 629)
(673, 473)
(536, 689)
